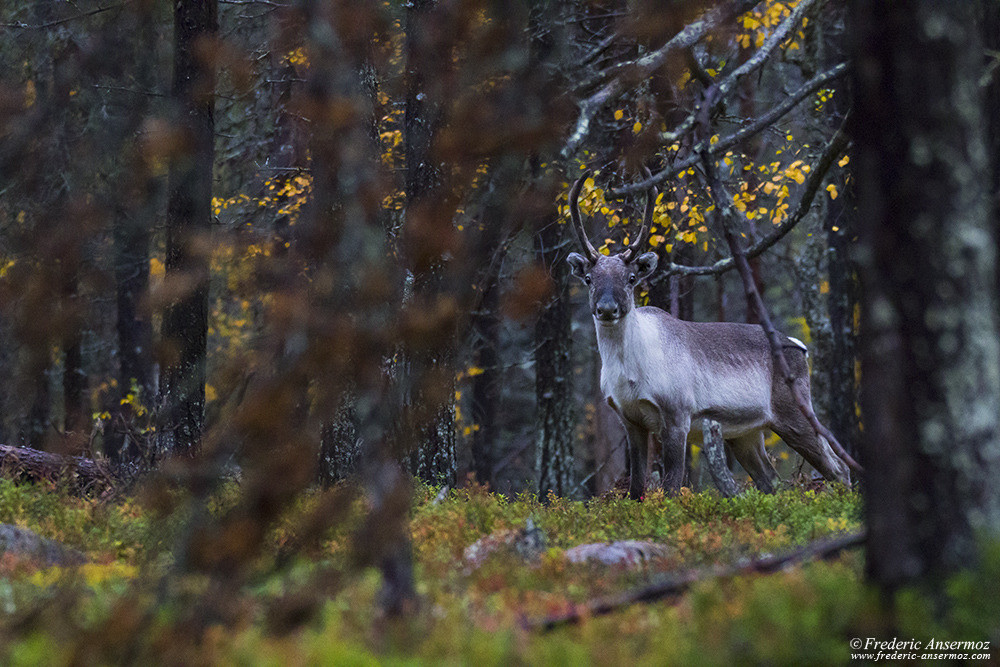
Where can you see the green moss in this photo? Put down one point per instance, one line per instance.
(476, 614)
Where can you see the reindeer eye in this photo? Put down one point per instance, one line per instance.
(631, 279)
(586, 279)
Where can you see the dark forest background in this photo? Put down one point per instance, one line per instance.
(298, 243)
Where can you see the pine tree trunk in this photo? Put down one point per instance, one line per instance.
(432, 458)
(131, 247)
(554, 369)
(929, 350)
(842, 303)
(989, 22)
(340, 445)
(189, 214)
(486, 385)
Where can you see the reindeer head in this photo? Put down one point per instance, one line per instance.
(611, 278)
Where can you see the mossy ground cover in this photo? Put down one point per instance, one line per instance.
(478, 613)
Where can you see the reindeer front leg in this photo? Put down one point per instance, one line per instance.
(673, 441)
(638, 443)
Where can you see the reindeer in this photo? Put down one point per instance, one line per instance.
(661, 374)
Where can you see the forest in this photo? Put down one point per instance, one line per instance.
(499, 332)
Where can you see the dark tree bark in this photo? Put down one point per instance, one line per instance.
(486, 344)
(929, 349)
(131, 284)
(433, 457)
(842, 303)
(554, 415)
(36, 424)
(838, 224)
(554, 367)
(989, 22)
(340, 447)
(189, 215)
(134, 329)
(74, 386)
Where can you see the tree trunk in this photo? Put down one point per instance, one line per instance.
(432, 457)
(36, 424)
(74, 385)
(486, 385)
(929, 350)
(340, 445)
(189, 216)
(842, 303)
(989, 22)
(554, 368)
(840, 368)
(135, 332)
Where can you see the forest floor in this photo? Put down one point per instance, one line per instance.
(490, 572)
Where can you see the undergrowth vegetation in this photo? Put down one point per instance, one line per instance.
(478, 606)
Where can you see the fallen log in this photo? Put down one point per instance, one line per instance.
(678, 583)
(80, 474)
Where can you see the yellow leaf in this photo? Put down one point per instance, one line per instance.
(843, 161)
(474, 371)
(210, 393)
(832, 189)
(30, 93)
(619, 114)
(637, 128)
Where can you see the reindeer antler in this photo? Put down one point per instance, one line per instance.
(647, 218)
(574, 212)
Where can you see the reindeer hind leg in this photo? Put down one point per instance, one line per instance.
(749, 451)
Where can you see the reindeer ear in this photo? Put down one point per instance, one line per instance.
(645, 264)
(578, 265)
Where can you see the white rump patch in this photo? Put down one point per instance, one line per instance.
(799, 344)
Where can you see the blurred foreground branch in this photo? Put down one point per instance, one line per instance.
(678, 583)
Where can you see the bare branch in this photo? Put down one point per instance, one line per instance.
(623, 74)
(52, 24)
(721, 88)
(678, 583)
(838, 144)
(727, 142)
